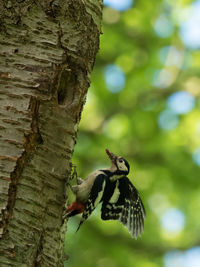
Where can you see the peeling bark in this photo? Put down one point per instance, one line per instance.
(47, 52)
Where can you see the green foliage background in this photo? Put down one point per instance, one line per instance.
(162, 167)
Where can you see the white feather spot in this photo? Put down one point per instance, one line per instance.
(116, 177)
(116, 194)
(100, 194)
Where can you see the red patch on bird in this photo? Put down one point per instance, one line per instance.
(80, 207)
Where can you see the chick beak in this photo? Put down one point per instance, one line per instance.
(111, 156)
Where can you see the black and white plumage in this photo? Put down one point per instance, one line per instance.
(127, 207)
(120, 199)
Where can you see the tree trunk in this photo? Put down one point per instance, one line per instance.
(47, 52)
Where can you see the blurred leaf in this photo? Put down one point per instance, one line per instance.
(163, 166)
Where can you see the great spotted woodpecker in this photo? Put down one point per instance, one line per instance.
(120, 199)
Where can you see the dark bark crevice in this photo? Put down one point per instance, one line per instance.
(31, 141)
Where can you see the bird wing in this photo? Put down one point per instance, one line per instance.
(126, 206)
(94, 198)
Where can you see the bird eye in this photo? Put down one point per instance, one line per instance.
(121, 160)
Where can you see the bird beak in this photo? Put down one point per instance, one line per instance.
(111, 156)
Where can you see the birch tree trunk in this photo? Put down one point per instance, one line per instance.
(47, 52)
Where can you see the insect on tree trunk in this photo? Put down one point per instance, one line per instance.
(47, 52)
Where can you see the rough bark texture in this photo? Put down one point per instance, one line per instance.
(47, 51)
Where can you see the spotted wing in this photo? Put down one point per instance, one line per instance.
(126, 206)
(95, 197)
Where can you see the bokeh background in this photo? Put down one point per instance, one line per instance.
(144, 104)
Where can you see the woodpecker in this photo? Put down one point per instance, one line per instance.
(111, 187)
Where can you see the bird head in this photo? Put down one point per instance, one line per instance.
(119, 164)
